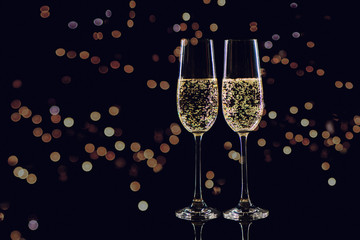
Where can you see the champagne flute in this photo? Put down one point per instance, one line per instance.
(242, 104)
(197, 106)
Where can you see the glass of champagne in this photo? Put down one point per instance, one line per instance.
(242, 104)
(197, 106)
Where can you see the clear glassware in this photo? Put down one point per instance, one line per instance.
(242, 104)
(197, 106)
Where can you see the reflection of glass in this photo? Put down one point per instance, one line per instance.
(197, 105)
(245, 229)
(198, 227)
(242, 103)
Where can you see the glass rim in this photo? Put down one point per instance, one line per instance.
(241, 40)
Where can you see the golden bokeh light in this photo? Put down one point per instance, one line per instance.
(101, 151)
(68, 122)
(151, 84)
(143, 205)
(31, 178)
(46, 137)
(135, 146)
(214, 27)
(209, 184)
(227, 145)
(325, 166)
(164, 85)
(116, 34)
(210, 174)
(261, 142)
(175, 128)
(89, 147)
(135, 186)
(114, 110)
(148, 153)
(119, 145)
(95, 116)
(87, 166)
(164, 148)
(128, 68)
(60, 52)
(109, 131)
(13, 160)
(173, 139)
(55, 156)
(151, 163)
(84, 54)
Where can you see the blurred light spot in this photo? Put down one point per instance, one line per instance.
(349, 135)
(103, 69)
(72, 24)
(2, 216)
(36, 119)
(151, 162)
(101, 151)
(309, 69)
(331, 181)
(261, 142)
(95, 60)
(325, 166)
(119, 145)
(227, 145)
(132, 4)
(295, 34)
(151, 84)
(109, 131)
(135, 146)
(164, 148)
(272, 114)
(95, 116)
(89, 148)
(148, 153)
(37, 132)
(98, 22)
(55, 156)
(15, 117)
(87, 166)
(320, 72)
(164, 85)
(209, 184)
(206, 1)
(114, 110)
(304, 122)
(339, 84)
(313, 133)
(17, 83)
(31, 178)
(356, 119)
(194, 41)
(116, 33)
(198, 34)
(54, 110)
(13, 160)
(33, 225)
(214, 27)
(289, 135)
(210, 174)
(68, 122)
(221, 3)
(135, 186)
(155, 57)
(84, 55)
(186, 16)
(114, 64)
(336, 140)
(60, 52)
(173, 139)
(275, 37)
(308, 105)
(132, 14)
(128, 68)
(143, 205)
(268, 44)
(71, 54)
(110, 156)
(66, 79)
(298, 138)
(349, 85)
(356, 129)
(294, 110)
(171, 58)
(287, 150)
(176, 28)
(293, 5)
(152, 18)
(23, 173)
(265, 59)
(130, 23)
(195, 26)
(15, 235)
(325, 134)
(46, 137)
(294, 65)
(175, 128)
(310, 44)
(108, 13)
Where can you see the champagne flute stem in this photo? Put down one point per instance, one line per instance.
(197, 202)
(245, 198)
(245, 229)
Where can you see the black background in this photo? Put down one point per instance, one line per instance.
(99, 204)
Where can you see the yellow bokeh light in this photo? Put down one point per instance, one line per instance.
(84, 54)
(287, 150)
(349, 85)
(289, 135)
(304, 122)
(135, 186)
(164, 147)
(294, 110)
(214, 27)
(272, 114)
(148, 153)
(186, 16)
(325, 166)
(109, 131)
(116, 34)
(325, 134)
(37, 132)
(128, 68)
(143, 205)
(209, 184)
(313, 133)
(130, 23)
(89, 148)
(95, 116)
(87, 166)
(261, 142)
(46, 137)
(31, 178)
(119, 145)
(101, 151)
(164, 85)
(152, 162)
(68, 122)
(221, 3)
(227, 145)
(55, 156)
(135, 146)
(60, 52)
(151, 84)
(210, 174)
(331, 181)
(132, 4)
(173, 139)
(308, 105)
(114, 110)
(339, 84)
(175, 128)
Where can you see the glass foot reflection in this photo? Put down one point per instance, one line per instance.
(194, 214)
(246, 214)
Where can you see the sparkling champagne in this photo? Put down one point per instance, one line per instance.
(197, 103)
(242, 101)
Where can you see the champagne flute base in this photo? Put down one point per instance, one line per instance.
(246, 214)
(198, 215)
